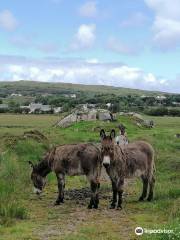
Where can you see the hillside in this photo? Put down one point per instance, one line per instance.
(32, 87)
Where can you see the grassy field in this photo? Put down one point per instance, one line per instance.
(24, 216)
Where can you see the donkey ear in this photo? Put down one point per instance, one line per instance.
(102, 134)
(31, 164)
(113, 134)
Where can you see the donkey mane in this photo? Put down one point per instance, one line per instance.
(44, 166)
(123, 152)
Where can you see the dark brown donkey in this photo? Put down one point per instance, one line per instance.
(132, 160)
(77, 159)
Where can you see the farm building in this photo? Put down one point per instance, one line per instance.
(37, 107)
(4, 106)
(58, 109)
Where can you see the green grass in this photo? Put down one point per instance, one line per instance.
(29, 120)
(24, 216)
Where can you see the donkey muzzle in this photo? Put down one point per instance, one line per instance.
(106, 165)
(106, 161)
(37, 191)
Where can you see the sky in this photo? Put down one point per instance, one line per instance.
(123, 43)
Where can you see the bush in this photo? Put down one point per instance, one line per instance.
(174, 112)
(10, 207)
(12, 210)
(14, 177)
(160, 111)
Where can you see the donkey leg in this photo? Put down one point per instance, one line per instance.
(145, 188)
(120, 193)
(114, 198)
(151, 188)
(94, 201)
(61, 186)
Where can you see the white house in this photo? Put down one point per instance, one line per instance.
(73, 95)
(37, 107)
(161, 97)
(108, 105)
(3, 106)
(16, 95)
(58, 109)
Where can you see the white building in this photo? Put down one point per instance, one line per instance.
(33, 107)
(16, 95)
(160, 98)
(108, 105)
(58, 109)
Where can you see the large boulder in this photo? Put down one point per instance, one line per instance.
(91, 115)
(67, 121)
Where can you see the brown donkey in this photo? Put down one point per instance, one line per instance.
(75, 159)
(132, 160)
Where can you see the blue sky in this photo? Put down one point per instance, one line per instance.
(121, 43)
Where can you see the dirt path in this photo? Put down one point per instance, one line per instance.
(69, 219)
(73, 219)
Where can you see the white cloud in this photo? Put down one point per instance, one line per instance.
(88, 9)
(150, 78)
(165, 8)
(166, 25)
(135, 20)
(81, 71)
(8, 21)
(125, 72)
(85, 37)
(167, 33)
(16, 68)
(92, 60)
(116, 45)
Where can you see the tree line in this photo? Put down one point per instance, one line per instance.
(150, 105)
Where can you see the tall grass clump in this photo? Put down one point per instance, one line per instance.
(10, 206)
(15, 179)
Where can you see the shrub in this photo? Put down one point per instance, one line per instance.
(174, 112)
(12, 210)
(160, 111)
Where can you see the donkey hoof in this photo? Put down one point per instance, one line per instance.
(112, 206)
(149, 199)
(95, 206)
(119, 208)
(89, 206)
(58, 202)
(141, 199)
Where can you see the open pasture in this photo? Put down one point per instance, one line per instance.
(26, 216)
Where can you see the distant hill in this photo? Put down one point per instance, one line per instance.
(33, 87)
